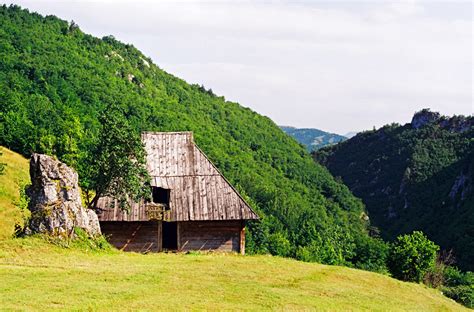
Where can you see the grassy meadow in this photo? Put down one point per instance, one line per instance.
(37, 275)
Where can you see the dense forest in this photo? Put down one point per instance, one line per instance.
(414, 177)
(313, 139)
(56, 81)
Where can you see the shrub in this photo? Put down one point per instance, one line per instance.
(459, 286)
(278, 245)
(436, 276)
(463, 294)
(412, 256)
(455, 277)
(370, 254)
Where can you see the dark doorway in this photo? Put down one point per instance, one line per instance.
(170, 235)
(160, 195)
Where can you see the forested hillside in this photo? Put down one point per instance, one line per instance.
(313, 139)
(415, 177)
(55, 82)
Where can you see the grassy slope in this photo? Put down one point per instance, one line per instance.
(16, 173)
(36, 275)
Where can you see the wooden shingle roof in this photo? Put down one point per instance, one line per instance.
(198, 191)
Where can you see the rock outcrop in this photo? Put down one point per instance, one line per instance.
(424, 117)
(55, 199)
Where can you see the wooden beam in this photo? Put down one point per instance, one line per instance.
(178, 236)
(242, 238)
(160, 236)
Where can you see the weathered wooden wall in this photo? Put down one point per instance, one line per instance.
(198, 191)
(210, 235)
(133, 236)
(147, 236)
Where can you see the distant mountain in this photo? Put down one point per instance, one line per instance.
(350, 134)
(313, 139)
(419, 176)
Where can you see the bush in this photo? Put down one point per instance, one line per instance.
(463, 294)
(370, 254)
(459, 286)
(436, 276)
(455, 277)
(327, 250)
(412, 256)
(278, 245)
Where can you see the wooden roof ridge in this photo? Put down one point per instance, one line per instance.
(225, 179)
(169, 132)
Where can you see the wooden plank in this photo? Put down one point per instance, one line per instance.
(203, 198)
(189, 197)
(184, 200)
(178, 235)
(160, 235)
(220, 202)
(179, 160)
(242, 239)
(213, 197)
(197, 200)
(175, 154)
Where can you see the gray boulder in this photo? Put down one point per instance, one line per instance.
(55, 199)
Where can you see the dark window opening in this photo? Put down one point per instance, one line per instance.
(170, 235)
(160, 195)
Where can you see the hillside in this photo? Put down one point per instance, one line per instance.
(313, 139)
(16, 174)
(416, 176)
(55, 82)
(37, 275)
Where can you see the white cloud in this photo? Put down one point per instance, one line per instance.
(338, 66)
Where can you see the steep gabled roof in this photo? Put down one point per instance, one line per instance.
(198, 191)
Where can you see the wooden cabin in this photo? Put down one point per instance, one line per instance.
(193, 207)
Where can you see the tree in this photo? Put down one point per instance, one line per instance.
(370, 254)
(116, 167)
(412, 256)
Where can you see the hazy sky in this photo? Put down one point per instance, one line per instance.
(337, 66)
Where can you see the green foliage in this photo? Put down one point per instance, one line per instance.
(459, 286)
(463, 294)
(455, 277)
(57, 82)
(22, 205)
(278, 245)
(371, 254)
(414, 179)
(116, 166)
(333, 247)
(412, 256)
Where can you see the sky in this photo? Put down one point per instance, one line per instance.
(336, 66)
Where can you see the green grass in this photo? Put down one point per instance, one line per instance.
(37, 275)
(16, 174)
